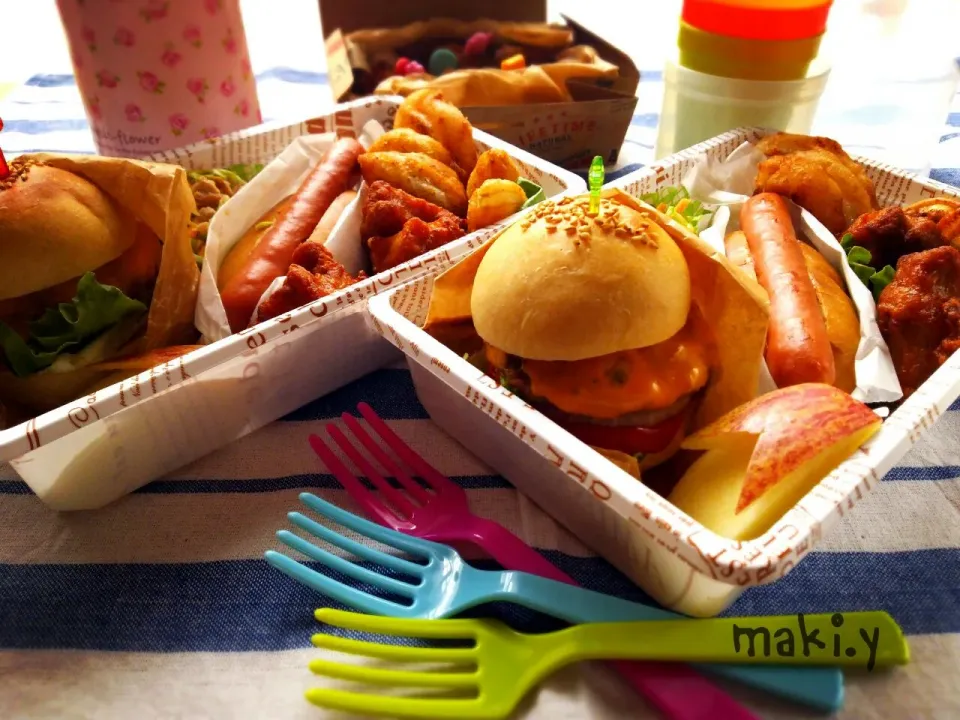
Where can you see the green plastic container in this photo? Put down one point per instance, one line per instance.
(744, 58)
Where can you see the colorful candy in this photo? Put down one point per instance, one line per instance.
(442, 60)
(477, 44)
(514, 62)
(406, 66)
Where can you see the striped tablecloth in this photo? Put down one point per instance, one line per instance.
(161, 606)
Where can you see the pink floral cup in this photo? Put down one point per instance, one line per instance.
(159, 74)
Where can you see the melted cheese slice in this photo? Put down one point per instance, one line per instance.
(608, 386)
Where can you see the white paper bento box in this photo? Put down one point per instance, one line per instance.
(676, 560)
(103, 446)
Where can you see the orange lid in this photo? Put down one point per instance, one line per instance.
(771, 4)
(766, 23)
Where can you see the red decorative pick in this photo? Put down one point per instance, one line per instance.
(4, 168)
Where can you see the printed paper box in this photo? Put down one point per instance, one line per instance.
(567, 134)
(90, 452)
(677, 561)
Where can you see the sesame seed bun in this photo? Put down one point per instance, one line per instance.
(562, 285)
(55, 226)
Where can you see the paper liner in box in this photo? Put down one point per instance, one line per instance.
(730, 182)
(278, 180)
(569, 135)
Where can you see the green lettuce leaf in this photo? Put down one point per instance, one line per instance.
(67, 327)
(534, 193)
(879, 280)
(666, 200)
(236, 175)
(245, 172)
(859, 259)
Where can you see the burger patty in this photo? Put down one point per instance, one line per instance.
(513, 378)
(642, 418)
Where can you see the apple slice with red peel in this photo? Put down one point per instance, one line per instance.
(765, 455)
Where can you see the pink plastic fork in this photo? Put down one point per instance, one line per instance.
(444, 516)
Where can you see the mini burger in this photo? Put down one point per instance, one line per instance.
(77, 279)
(589, 318)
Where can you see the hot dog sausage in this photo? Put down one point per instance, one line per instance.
(239, 255)
(271, 257)
(798, 347)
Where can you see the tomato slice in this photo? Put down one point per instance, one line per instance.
(629, 439)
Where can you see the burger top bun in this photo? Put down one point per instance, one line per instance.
(55, 226)
(561, 285)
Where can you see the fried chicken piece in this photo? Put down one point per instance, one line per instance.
(942, 212)
(818, 175)
(891, 233)
(919, 314)
(400, 227)
(313, 274)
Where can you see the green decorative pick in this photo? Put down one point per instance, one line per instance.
(595, 181)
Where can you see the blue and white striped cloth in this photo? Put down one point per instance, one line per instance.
(161, 606)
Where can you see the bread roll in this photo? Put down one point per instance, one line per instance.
(531, 298)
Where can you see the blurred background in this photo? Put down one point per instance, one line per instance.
(870, 43)
(287, 32)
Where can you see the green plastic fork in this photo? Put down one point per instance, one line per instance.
(487, 680)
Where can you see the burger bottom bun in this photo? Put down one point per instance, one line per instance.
(45, 391)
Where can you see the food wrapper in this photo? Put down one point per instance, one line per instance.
(538, 35)
(280, 178)
(728, 184)
(159, 196)
(492, 87)
(732, 307)
(542, 82)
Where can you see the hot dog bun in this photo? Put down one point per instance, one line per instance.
(270, 256)
(817, 264)
(323, 229)
(239, 254)
(839, 313)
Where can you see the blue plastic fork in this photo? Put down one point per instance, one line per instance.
(444, 585)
